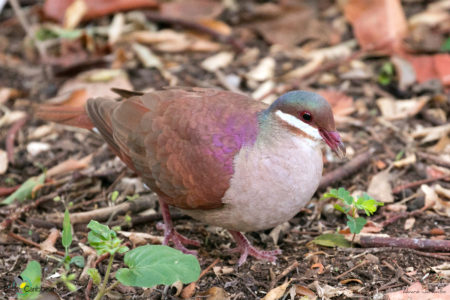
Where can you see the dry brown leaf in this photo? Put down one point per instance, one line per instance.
(377, 24)
(345, 281)
(301, 290)
(3, 162)
(409, 160)
(142, 238)
(431, 67)
(263, 71)
(277, 293)
(443, 270)
(69, 165)
(48, 246)
(380, 187)
(327, 292)
(214, 293)
(341, 103)
(431, 133)
(74, 13)
(318, 266)
(217, 26)
(399, 109)
(217, 61)
(409, 223)
(56, 9)
(96, 83)
(194, 10)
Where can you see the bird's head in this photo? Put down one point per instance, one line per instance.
(309, 114)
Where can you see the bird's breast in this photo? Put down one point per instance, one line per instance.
(272, 181)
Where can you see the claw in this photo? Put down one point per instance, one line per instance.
(245, 248)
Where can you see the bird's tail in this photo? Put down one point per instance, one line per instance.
(71, 112)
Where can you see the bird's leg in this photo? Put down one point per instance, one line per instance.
(170, 234)
(245, 248)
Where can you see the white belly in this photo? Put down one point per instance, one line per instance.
(270, 185)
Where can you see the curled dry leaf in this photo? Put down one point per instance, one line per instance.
(3, 162)
(263, 71)
(48, 246)
(345, 281)
(431, 133)
(74, 13)
(141, 238)
(214, 293)
(327, 292)
(56, 9)
(377, 24)
(69, 165)
(399, 109)
(318, 266)
(380, 188)
(277, 293)
(223, 270)
(194, 10)
(301, 290)
(217, 61)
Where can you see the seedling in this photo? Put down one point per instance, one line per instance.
(148, 265)
(350, 206)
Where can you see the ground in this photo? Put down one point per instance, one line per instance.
(367, 129)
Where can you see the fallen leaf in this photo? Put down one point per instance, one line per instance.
(327, 292)
(70, 165)
(341, 103)
(217, 61)
(409, 160)
(405, 72)
(263, 71)
(345, 281)
(279, 230)
(3, 162)
(301, 290)
(318, 266)
(214, 293)
(377, 24)
(74, 13)
(223, 270)
(34, 148)
(409, 223)
(443, 270)
(48, 246)
(142, 238)
(25, 190)
(41, 132)
(331, 240)
(430, 134)
(399, 109)
(431, 67)
(276, 293)
(380, 188)
(56, 9)
(194, 10)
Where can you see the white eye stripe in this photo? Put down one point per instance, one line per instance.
(294, 122)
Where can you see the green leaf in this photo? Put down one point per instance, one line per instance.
(341, 209)
(31, 281)
(103, 239)
(386, 74)
(114, 196)
(341, 194)
(24, 192)
(332, 240)
(368, 204)
(446, 45)
(53, 31)
(355, 224)
(67, 231)
(95, 275)
(78, 261)
(151, 265)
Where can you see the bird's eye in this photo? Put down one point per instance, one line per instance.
(306, 116)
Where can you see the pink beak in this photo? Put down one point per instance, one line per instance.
(333, 140)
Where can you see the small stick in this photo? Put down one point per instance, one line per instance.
(405, 215)
(288, 270)
(229, 39)
(11, 136)
(402, 277)
(434, 159)
(346, 170)
(367, 241)
(413, 184)
(31, 243)
(352, 269)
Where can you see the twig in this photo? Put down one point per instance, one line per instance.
(441, 256)
(400, 188)
(352, 269)
(11, 136)
(102, 214)
(406, 214)
(286, 271)
(26, 27)
(5, 191)
(367, 241)
(402, 277)
(346, 170)
(31, 243)
(435, 159)
(228, 39)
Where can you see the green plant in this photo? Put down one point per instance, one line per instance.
(147, 265)
(350, 206)
(29, 282)
(386, 74)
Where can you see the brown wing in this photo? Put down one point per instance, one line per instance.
(182, 142)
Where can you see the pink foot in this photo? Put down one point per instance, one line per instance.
(245, 248)
(170, 234)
